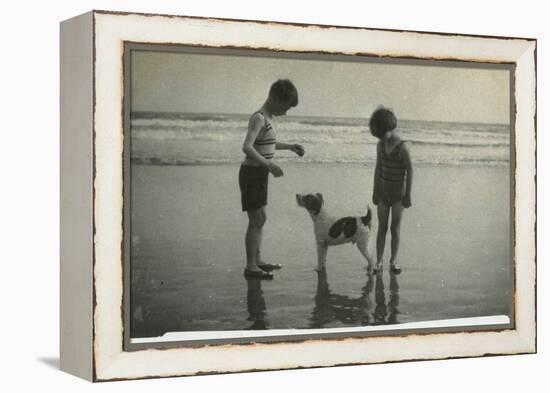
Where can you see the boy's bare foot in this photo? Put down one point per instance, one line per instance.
(268, 267)
(248, 273)
(377, 268)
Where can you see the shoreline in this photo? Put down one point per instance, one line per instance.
(176, 162)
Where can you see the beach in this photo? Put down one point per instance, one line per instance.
(187, 250)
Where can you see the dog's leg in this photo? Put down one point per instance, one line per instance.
(362, 246)
(322, 249)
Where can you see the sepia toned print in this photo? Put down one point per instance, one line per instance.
(190, 111)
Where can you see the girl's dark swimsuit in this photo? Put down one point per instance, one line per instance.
(392, 174)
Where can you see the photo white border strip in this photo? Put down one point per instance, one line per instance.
(226, 334)
(112, 30)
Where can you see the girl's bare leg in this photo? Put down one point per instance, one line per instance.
(383, 213)
(396, 213)
(253, 238)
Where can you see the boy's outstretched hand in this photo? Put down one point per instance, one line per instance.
(407, 201)
(275, 170)
(298, 149)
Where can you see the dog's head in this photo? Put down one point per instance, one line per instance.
(312, 202)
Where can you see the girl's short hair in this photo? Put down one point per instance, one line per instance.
(382, 121)
(284, 90)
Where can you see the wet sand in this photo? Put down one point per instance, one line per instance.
(188, 251)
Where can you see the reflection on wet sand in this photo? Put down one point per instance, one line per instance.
(359, 311)
(255, 304)
(372, 306)
(394, 300)
(186, 273)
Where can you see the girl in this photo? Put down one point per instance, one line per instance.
(392, 182)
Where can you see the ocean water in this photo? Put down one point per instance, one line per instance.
(179, 139)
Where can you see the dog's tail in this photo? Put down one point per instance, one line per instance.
(367, 220)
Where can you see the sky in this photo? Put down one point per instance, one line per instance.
(206, 83)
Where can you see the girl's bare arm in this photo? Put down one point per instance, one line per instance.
(376, 176)
(405, 153)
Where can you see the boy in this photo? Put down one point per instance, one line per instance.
(259, 147)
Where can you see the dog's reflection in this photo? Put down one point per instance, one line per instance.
(255, 304)
(333, 310)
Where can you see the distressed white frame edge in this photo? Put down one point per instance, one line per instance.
(76, 177)
(111, 30)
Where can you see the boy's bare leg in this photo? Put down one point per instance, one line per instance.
(259, 259)
(253, 238)
(396, 213)
(383, 213)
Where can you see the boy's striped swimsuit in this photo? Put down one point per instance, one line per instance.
(264, 144)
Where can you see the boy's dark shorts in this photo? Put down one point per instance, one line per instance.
(253, 185)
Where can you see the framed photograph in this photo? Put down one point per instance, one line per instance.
(246, 195)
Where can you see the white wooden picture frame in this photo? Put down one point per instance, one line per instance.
(94, 280)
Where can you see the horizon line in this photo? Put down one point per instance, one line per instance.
(315, 116)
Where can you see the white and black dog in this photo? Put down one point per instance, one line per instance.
(331, 231)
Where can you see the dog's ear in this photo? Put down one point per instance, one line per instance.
(317, 203)
(313, 203)
(320, 196)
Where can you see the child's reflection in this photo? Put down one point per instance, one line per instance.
(360, 311)
(380, 310)
(394, 299)
(255, 303)
(386, 314)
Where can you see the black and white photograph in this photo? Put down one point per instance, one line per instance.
(274, 195)
(395, 240)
